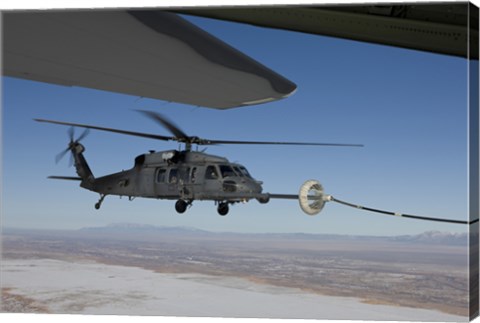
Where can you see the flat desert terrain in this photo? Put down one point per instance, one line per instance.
(177, 272)
(58, 286)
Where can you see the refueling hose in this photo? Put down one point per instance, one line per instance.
(331, 198)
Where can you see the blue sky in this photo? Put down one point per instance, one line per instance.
(408, 108)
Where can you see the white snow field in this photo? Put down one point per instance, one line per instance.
(93, 288)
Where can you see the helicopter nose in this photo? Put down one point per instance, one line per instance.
(250, 187)
(242, 185)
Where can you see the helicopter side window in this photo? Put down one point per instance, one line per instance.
(226, 171)
(161, 175)
(193, 176)
(173, 176)
(211, 172)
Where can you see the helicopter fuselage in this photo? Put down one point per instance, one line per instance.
(184, 175)
(181, 175)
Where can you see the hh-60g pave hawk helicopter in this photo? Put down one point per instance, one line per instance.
(184, 175)
(188, 175)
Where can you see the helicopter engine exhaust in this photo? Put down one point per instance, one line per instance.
(311, 197)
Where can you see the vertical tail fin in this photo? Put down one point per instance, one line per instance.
(81, 165)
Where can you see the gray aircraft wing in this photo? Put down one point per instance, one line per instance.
(449, 28)
(146, 53)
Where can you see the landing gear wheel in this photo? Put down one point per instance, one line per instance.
(97, 205)
(181, 206)
(222, 209)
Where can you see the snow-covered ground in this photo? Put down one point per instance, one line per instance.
(92, 288)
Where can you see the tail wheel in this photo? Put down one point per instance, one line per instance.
(100, 201)
(223, 209)
(311, 197)
(181, 206)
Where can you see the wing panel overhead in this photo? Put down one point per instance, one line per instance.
(432, 27)
(152, 54)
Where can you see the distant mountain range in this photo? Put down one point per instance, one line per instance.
(136, 227)
(429, 237)
(437, 237)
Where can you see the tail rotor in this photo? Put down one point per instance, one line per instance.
(72, 144)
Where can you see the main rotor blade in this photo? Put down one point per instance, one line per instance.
(180, 136)
(174, 129)
(125, 132)
(235, 142)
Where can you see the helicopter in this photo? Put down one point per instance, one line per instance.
(184, 175)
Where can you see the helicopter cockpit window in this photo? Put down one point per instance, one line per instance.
(226, 171)
(238, 171)
(173, 176)
(161, 175)
(211, 172)
(245, 172)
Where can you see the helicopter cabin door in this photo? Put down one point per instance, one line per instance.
(167, 182)
(193, 182)
(188, 182)
(173, 182)
(212, 182)
(160, 182)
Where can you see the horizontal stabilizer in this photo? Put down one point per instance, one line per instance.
(70, 178)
